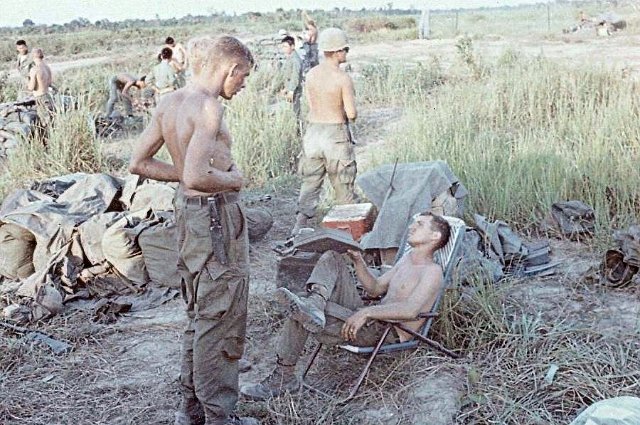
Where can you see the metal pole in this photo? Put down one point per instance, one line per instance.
(457, 14)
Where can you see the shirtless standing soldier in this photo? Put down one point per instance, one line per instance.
(119, 87)
(40, 78)
(327, 146)
(24, 63)
(212, 230)
(411, 288)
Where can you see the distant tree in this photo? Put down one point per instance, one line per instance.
(28, 23)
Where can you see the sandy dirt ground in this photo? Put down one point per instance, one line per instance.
(620, 51)
(59, 67)
(126, 372)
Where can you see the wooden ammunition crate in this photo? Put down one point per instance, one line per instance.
(356, 219)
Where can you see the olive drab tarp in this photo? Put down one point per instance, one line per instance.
(413, 189)
(91, 233)
(120, 245)
(160, 253)
(56, 234)
(52, 221)
(16, 252)
(157, 196)
(98, 241)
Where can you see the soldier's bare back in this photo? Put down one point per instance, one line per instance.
(330, 94)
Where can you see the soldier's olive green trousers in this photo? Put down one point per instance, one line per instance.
(332, 279)
(326, 150)
(216, 303)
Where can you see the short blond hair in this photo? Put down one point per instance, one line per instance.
(38, 53)
(205, 51)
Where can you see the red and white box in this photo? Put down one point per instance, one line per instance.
(356, 219)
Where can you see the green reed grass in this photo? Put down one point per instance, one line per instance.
(71, 146)
(530, 134)
(263, 128)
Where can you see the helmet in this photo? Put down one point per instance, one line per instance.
(332, 40)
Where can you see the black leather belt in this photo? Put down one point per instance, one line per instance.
(220, 199)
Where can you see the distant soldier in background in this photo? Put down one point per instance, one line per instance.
(40, 78)
(327, 146)
(163, 76)
(180, 58)
(310, 45)
(24, 63)
(119, 87)
(292, 70)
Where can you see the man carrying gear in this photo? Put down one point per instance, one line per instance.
(327, 146)
(292, 70)
(119, 87)
(212, 229)
(334, 312)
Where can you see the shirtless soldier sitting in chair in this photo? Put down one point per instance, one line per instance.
(334, 312)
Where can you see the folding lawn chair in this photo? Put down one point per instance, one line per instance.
(447, 258)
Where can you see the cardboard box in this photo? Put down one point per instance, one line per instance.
(356, 219)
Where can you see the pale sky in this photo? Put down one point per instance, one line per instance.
(13, 12)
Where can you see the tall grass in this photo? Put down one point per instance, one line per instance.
(530, 134)
(263, 128)
(384, 83)
(71, 147)
(513, 347)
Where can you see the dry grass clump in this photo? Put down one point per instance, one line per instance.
(263, 128)
(95, 383)
(387, 84)
(71, 146)
(378, 23)
(512, 352)
(529, 134)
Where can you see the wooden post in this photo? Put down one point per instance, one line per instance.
(424, 26)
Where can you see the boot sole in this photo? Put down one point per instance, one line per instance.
(291, 302)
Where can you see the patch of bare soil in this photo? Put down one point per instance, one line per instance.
(59, 67)
(572, 50)
(126, 372)
(374, 126)
(581, 304)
